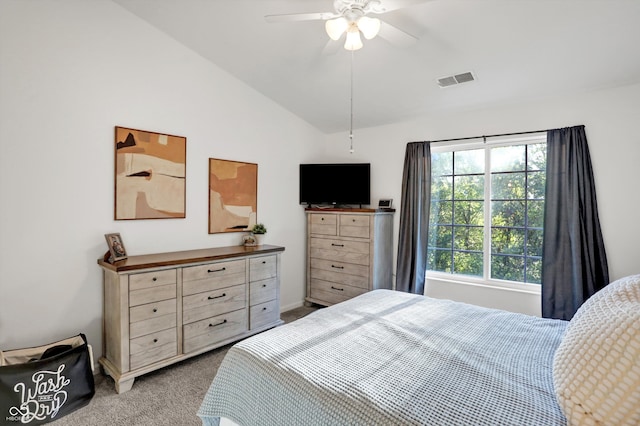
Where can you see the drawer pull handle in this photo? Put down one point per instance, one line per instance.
(264, 261)
(322, 218)
(336, 288)
(216, 270)
(155, 309)
(337, 245)
(264, 309)
(337, 267)
(220, 323)
(264, 285)
(154, 279)
(217, 297)
(155, 340)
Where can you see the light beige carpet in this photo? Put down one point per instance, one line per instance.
(169, 396)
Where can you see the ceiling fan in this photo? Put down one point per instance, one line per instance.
(350, 17)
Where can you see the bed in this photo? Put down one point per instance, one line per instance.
(391, 358)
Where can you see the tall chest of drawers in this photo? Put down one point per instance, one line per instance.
(160, 309)
(349, 252)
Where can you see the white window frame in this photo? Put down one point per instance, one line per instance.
(493, 142)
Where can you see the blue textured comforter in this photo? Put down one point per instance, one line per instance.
(391, 358)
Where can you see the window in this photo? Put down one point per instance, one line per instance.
(496, 240)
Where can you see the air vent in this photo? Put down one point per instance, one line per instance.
(455, 79)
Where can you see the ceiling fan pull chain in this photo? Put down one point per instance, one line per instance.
(351, 121)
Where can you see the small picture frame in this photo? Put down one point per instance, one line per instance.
(385, 203)
(249, 240)
(116, 247)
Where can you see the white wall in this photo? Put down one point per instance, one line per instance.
(611, 121)
(69, 72)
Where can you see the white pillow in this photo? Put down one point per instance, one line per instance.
(596, 369)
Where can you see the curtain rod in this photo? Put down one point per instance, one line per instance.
(484, 137)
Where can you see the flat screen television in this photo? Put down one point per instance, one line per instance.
(335, 184)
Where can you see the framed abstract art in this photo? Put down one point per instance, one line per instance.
(233, 195)
(150, 175)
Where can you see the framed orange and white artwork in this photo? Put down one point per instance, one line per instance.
(233, 195)
(150, 175)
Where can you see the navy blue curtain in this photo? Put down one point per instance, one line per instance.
(414, 218)
(574, 262)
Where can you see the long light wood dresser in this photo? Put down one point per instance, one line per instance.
(349, 252)
(162, 308)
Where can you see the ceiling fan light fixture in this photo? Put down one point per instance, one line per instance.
(370, 27)
(353, 41)
(335, 27)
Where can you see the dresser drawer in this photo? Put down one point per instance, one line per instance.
(263, 291)
(152, 317)
(213, 276)
(152, 294)
(352, 225)
(263, 314)
(211, 303)
(215, 329)
(151, 279)
(152, 348)
(152, 310)
(339, 250)
(261, 268)
(323, 224)
(338, 272)
(333, 293)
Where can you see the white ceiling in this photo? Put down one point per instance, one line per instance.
(517, 49)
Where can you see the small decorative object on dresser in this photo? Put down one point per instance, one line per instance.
(258, 232)
(162, 308)
(385, 203)
(249, 240)
(116, 247)
(349, 252)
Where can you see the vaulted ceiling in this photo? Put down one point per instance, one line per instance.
(518, 50)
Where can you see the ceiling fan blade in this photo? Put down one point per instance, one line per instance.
(391, 5)
(300, 17)
(395, 35)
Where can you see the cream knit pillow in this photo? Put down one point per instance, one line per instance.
(596, 369)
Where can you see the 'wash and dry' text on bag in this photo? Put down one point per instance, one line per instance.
(39, 385)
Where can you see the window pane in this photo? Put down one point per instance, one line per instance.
(439, 260)
(537, 156)
(467, 263)
(440, 237)
(534, 271)
(536, 185)
(469, 187)
(507, 213)
(507, 268)
(441, 188)
(507, 241)
(535, 215)
(507, 186)
(442, 163)
(468, 238)
(534, 242)
(441, 212)
(508, 158)
(466, 162)
(469, 213)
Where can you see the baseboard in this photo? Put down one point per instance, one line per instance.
(291, 306)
